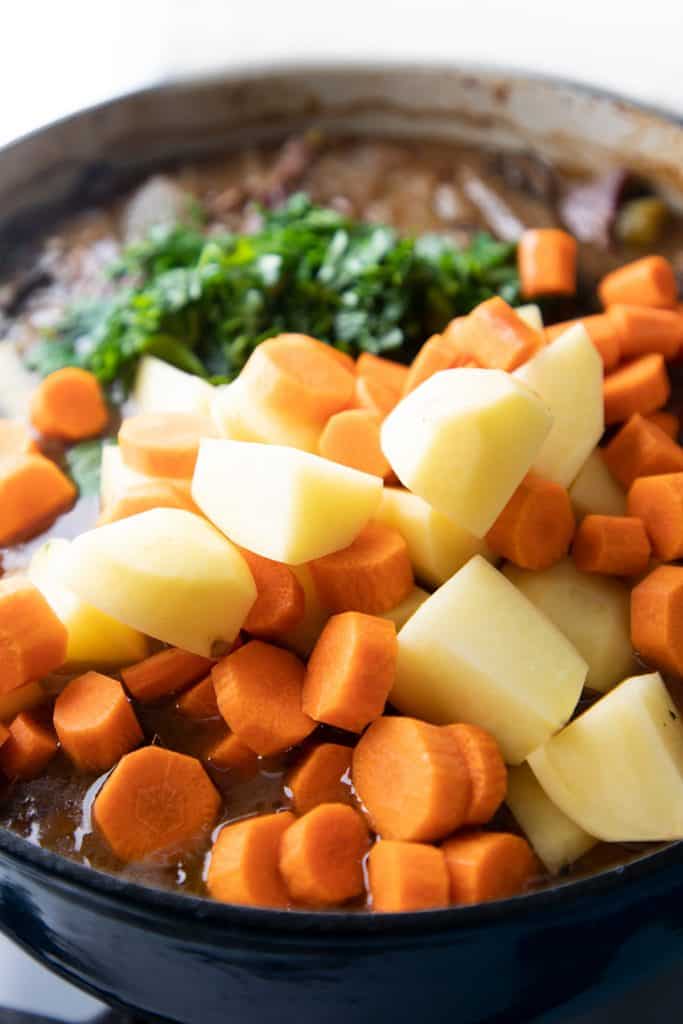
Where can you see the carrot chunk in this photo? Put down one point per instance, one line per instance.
(643, 330)
(412, 779)
(487, 866)
(388, 371)
(487, 771)
(95, 722)
(372, 575)
(438, 353)
(15, 439)
(657, 618)
(33, 492)
(641, 386)
(407, 876)
(352, 438)
(230, 752)
(601, 330)
(24, 698)
(280, 601)
(658, 503)
(666, 421)
(641, 449)
(164, 673)
(649, 281)
(69, 404)
(536, 527)
(546, 260)
(322, 777)
(142, 497)
(613, 545)
(199, 702)
(163, 443)
(321, 855)
(28, 749)
(494, 336)
(32, 639)
(245, 862)
(351, 671)
(259, 689)
(156, 804)
(375, 396)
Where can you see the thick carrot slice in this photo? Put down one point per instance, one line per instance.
(487, 866)
(69, 404)
(407, 876)
(352, 438)
(29, 748)
(280, 602)
(351, 671)
(669, 422)
(24, 698)
(95, 722)
(546, 260)
(386, 370)
(536, 527)
(641, 448)
(245, 862)
(642, 330)
(438, 353)
(321, 855)
(259, 689)
(342, 358)
(412, 779)
(33, 492)
(372, 575)
(487, 771)
(163, 443)
(375, 396)
(641, 386)
(164, 673)
(199, 702)
(649, 281)
(32, 639)
(156, 804)
(229, 753)
(15, 439)
(322, 777)
(658, 502)
(613, 545)
(601, 330)
(142, 497)
(494, 336)
(657, 618)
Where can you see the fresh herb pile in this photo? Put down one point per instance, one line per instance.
(204, 303)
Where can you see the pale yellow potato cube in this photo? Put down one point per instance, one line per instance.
(617, 770)
(531, 315)
(595, 491)
(303, 637)
(557, 840)
(161, 387)
(463, 440)
(407, 608)
(567, 374)
(282, 503)
(592, 611)
(240, 416)
(116, 477)
(478, 651)
(167, 573)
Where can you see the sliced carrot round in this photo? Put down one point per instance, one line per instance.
(28, 749)
(163, 443)
(69, 404)
(546, 258)
(536, 527)
(487, 771)
(245, 862)
(376, 396)
(164, 673)
(352, 438)
(33, 492)
(321, 855)
(95, 722)
(487, 866)
(33, 640)
(280, 602)
(199, 702)
(407, 876)
(613, 545)
(229, 753)
(142, 497)
(388, 371)
(658, 502)
(322, 777)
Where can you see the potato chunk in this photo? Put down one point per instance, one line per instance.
(595, 491)
(116, 477)
(477, 651)
(240, 417)
(160, 387)
(463, 441)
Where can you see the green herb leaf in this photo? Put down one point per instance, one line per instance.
(83, 462)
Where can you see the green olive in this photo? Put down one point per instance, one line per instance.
(641, 221)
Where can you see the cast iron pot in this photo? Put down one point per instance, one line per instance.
(588, 947)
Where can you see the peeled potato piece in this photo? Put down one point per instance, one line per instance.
(160, 387)
(240, 417)
(595, 491)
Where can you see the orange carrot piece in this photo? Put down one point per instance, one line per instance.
(69, 404)
(412, 779)
(657, 618)
(33, 492)
(375, 396)
(280, 602)
(438, 353)
(487, 866)
(536, 527)
(259, 689)
(95, 722)
(351, 671)
(387, 371)
(142, 497)
(669, 422)
(658, 502)
(352, 438)
(24, 698)
(322, 777)
(372, 575)
(163, 443)
(641, 386)
(649, 281)
(199, 702)
(155, 805)
(487, 771)
(164, 673)
(245, 862)
(641, 449)
(407, 876)
(494, 336)
(32, 639)
(601, 330)
(321, 855)
(4, 735)
(546, 260)
(15, 439)
(229, 753)
(342, 358)
(28, 749)
(642, 330)
(612, 545)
